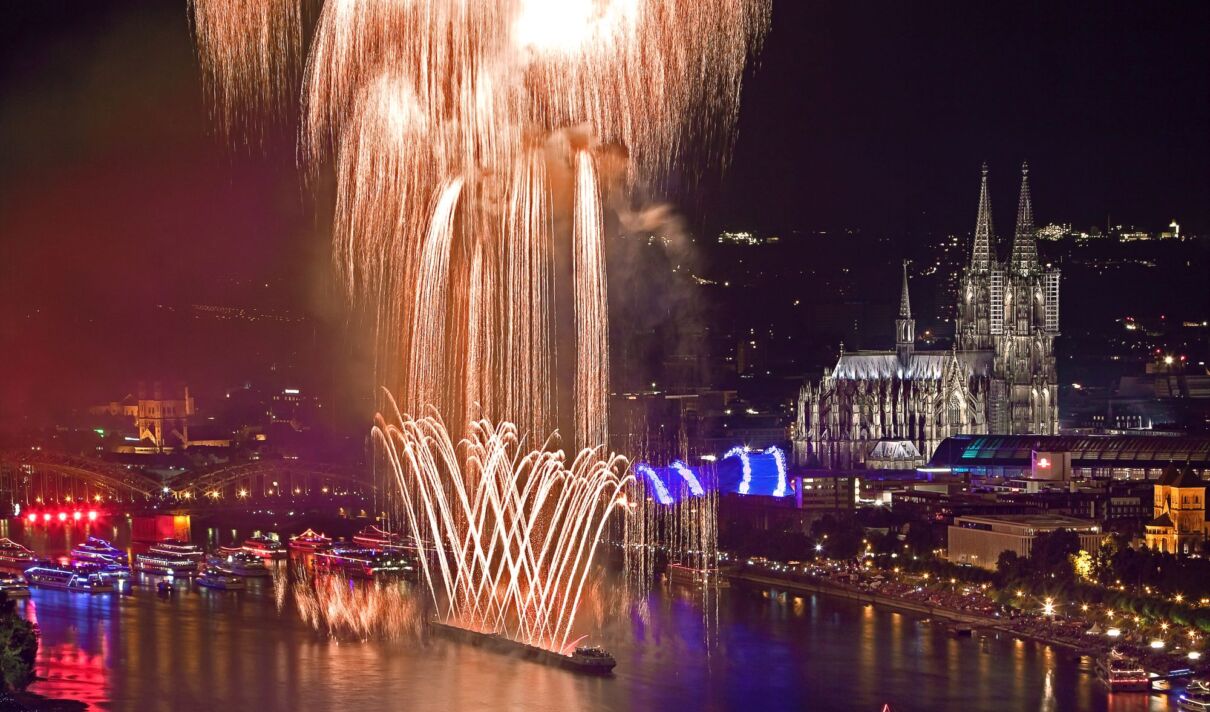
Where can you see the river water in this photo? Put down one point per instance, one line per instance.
(751, 648)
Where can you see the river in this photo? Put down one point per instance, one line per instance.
(752, 649)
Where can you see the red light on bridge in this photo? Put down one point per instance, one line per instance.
(62, 516)
(76, 516)
(46, 516)
(33, 517)
(92, 516)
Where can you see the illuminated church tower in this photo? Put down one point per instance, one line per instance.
(1012, 308)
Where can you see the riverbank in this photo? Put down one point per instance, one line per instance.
(1018, 628)
(816, 585)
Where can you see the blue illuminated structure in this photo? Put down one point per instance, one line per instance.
(657, 485)
(741, 470)
(695, 486)
(755, 472)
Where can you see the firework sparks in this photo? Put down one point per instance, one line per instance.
(407, 99)
(514, 532)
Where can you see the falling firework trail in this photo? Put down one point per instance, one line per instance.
(404, 99)
(591, 303)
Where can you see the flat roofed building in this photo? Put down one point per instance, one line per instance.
(1120, 457)
(979, 540)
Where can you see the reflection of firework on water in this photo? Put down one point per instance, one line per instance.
(281, 582)
(515, 532)
(340, 607)
(455, 129)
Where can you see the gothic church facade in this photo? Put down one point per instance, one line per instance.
(998, 377)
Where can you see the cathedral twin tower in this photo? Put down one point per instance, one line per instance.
(893, 408)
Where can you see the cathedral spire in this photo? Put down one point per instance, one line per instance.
(905, 303)
(905, 325)
(1025, 246)
(981, 255)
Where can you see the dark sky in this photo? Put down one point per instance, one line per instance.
(115, 196)
(878, 114)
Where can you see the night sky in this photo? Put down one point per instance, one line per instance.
(116, 197)
(878, 115)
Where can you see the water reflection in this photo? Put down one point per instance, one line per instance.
(202, 649)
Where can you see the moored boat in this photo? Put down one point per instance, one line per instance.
(688, 576)
(67, 579)
(363, 563)
(265, 547)
(95, 550)
(585, 659)
(372, 537)
(13, 586)
(211, 578)
(239, 564)
(309, 541)
(1196, 697)
(17, 558)
(1122, 673)
(178, 549)
(165, 564)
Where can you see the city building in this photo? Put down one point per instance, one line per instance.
(1179, 526)
(942, 506)
(1069, 457)
(1126, 503)
(979, 540)
(999, 377)
(825, 491)
(159, 415)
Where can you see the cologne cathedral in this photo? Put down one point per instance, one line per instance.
(891, 409)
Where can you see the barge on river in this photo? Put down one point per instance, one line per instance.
(585, 659)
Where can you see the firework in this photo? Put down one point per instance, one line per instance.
(514, 532)
(408, 99)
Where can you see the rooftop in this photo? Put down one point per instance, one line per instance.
(1086, 450)
(1036, 521)
(921, 365)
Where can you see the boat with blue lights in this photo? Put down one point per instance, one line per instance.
(66, 578)
(1196, 697)
(99, 556)
(17, 558)
(585, 659)
(98, 551)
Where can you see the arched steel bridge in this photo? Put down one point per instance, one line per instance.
(40, 479)
(32, 477)
(261, 480)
